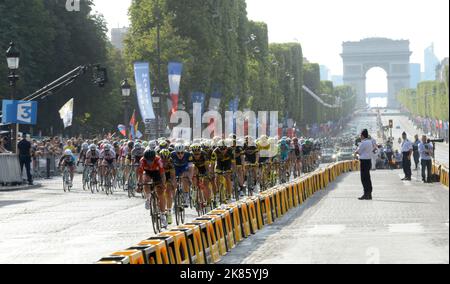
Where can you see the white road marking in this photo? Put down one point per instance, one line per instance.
(406, 228)
(326, 230)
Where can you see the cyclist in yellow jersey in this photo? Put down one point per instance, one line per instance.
(224, 161)
(264, 153)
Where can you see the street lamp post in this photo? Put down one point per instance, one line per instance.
(13, 58)
(126, 93)
(156, 98)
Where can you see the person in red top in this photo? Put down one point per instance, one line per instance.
(151, 169)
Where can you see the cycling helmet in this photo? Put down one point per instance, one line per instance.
(229, 143)
(163, 144)
(137, 146)
(68, 153)
(116, 144)
(145, 144)
(152, 145)
(196, 148)
(149, 155)
(171, 147)
(179, 148)
(85, 146)
(93, 147)
(107, 147)
(221, 144)
(130, 144)
(165, 154)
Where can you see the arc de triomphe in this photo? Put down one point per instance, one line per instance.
(391, 55)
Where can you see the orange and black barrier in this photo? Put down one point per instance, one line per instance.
(206, 239)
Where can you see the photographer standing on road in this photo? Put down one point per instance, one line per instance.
(426, 154)
(407, 150)
(365, 151)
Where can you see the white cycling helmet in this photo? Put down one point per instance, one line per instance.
(152, 145)
(84, 146)
(68, 153)
(93, 147)
(137, 146)
(180, 148)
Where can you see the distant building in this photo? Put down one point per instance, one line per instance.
(416, 75)
(440, 70)
(431, 62)
(338, 80)
(118, 36)
(324, 73)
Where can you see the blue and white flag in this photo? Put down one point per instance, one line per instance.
(175, 69)
(142, 79)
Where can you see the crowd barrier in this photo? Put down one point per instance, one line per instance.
(442, 172)
(10, 173)
(206, 239)
(45, 166)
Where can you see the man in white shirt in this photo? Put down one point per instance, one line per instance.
(407, 151)
(365, 151)
(426, 154)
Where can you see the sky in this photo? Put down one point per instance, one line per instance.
(321, 26)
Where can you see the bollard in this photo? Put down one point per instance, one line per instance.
(161, 255)
(259, 213)
(209, 239)
(245, 219)
(236, 222)
(295, 194)
(170, 244)
(266, 209)
(148, 252)
(194, 241)
(252, 215)
(228, 226)
(216, 221)
(180, 248)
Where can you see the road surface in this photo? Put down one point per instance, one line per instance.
(406, 223)
(47, 225)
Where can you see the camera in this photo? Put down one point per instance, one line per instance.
(436, 141)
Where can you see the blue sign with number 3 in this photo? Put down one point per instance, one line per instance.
(20, 112)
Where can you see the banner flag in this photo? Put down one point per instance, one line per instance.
(66, 113)
(133, 126)
(122, 129)
(142, 79)
(175, 70)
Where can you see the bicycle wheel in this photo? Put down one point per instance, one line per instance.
(155, 214)
(198, 202)
(93, 182)
(236, 187)
(250, 183)
(107, 183)
(131, 185)
(65, 181)
(85, 178)
(179, 207)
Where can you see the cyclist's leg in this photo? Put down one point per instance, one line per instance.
(162, 201)
(229, 184)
